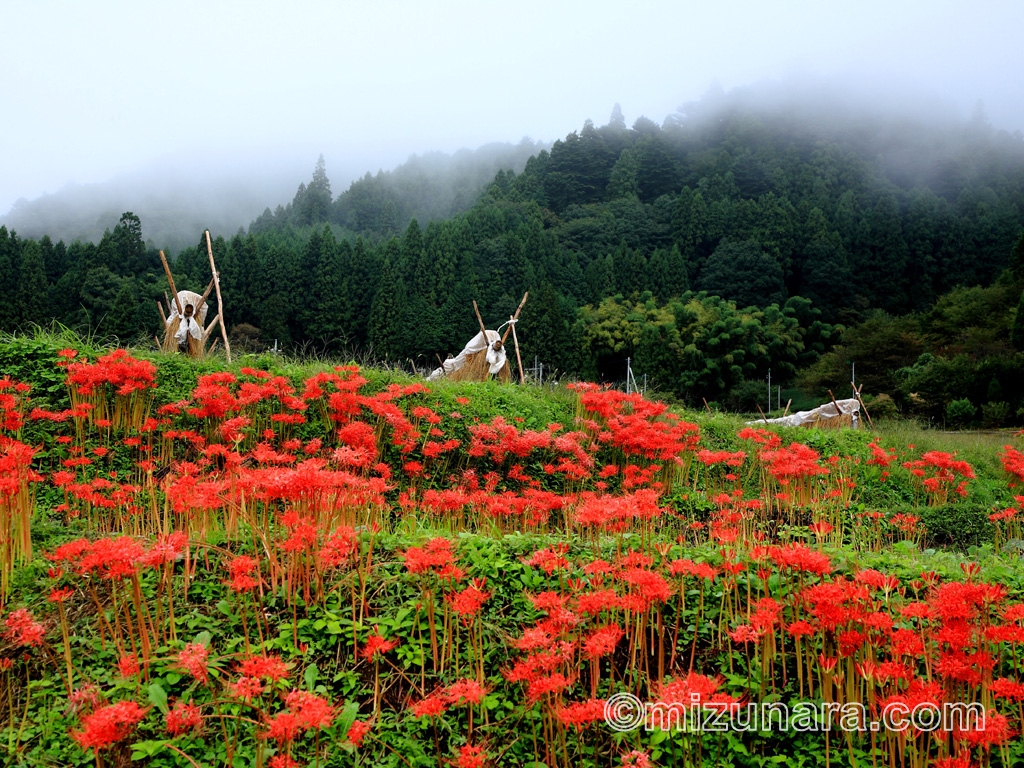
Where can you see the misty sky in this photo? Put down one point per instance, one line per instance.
(91, 90)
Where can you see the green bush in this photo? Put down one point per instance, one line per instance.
(995, 414)
(958, 526)
(960, 412)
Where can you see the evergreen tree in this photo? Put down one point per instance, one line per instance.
(666, 273)
(121, 320)
(743, 273)
(10, 268)
(129, 249)
(1017, 330)
(327, 301)
(33, 294)
(361, 287)
(386, 330)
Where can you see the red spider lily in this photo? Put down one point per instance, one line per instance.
(376, 645)
(693, 689)
(580, 714)
(22, 629)
(246, 688)
(636, 759)
(798, 558)
(182, 718)
(242, 570)
(961, 760)
(128, 666)
(879, 456)
(1013, 462)
(357, 732)
(470, 757)
(436, 556)
(271, 667)
(602, 641)
(60, 595)
(550, 559)
(432, 706)
(311, 711)
(108, 725)
(193, 660)
(744, 634)
(465, 692)
(996, 730)
(117, 369)
(340, 547)
(469, 601)
(613, 512)
(710, 458)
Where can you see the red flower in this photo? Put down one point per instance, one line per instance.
(192, 659)
(357, 732)
(108, 725)
(376, 644)
(183, 718)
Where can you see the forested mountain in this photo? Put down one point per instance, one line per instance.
(731, 239)
(175, 202)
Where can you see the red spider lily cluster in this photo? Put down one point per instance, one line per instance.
(659, 566)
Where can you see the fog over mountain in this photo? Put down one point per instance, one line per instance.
(95, 92)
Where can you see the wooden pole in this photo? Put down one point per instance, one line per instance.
(202, 301)
(515, 342)
(512, 323)
(483, 328)
(170, 282)
(209, 329)
(860, 400)
(762, 414)
(788, 403)
(161, 308)
(220, 301)
(708, 407)
(839, 410)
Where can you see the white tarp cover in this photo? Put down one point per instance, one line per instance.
(191, 327)
(826, 411)
(495, 358)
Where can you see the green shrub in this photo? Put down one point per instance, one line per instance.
(960, 412)
(995, 414)
(956, 525)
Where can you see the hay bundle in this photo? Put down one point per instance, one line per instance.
(476, 368)
(843, 420)
(195, 346)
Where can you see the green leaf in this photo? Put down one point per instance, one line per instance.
(348, 716)
(158, 697)
(310, 676)
(142, 750)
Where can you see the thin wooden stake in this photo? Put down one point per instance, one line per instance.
(708, 407)
(483, 328)
(762, 414)
(220, 301)
(788, 403)
(860, 400)
(515, 317)
(515, 343)
(163, 316)
(202, 301)
(170, 282)
(209, 329)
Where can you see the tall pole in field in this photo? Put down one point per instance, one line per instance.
(220, 301)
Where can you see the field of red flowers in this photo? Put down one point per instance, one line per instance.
(343, 568)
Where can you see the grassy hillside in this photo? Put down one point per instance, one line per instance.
(290, 564)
